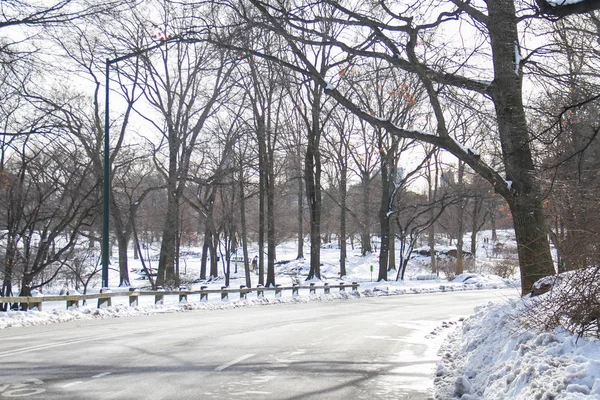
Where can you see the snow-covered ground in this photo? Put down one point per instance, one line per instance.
(361, 269)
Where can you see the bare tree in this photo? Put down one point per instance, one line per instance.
(339, 147)
(264, 89)
(178, 87)
(567, 118)
(84, 115)
(397, 42)
(413, 217)
(50, 199)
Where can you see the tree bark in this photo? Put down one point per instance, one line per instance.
(384, 218)
(312, 174)
(300, 254)
(461, 216)
(166, 262)
(475, 224)
(270, 184)
(432, 186)
(205, 251)
(262, 185)
(525, 199)
(365, 234)
(123, 242)
(392, 250)
(343, 214)
(244, 227)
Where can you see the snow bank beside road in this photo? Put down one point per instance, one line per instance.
(492, 357)
(11, 319)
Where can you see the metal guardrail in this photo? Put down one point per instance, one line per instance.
(104, 298)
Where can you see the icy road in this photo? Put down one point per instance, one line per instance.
(367, 348)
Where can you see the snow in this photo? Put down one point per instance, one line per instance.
(509, 184)
(493, 356)
(466, 150)
(556, 3)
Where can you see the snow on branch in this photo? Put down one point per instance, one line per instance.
(562, 8)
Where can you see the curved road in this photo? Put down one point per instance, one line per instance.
(367, 348)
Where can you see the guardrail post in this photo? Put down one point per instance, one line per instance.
(37, 305)
(342, 288)
(104, 302)
(134, 297)
(159, 298)
(224, 294)
(312, 289)
(277, 291)
(326, 288)
(182, 296)
(243, 292)
(72, 303)
(260, 291)
(355, 286)
(203, 295)
(294, 290)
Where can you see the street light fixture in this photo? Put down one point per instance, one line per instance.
(106, 178)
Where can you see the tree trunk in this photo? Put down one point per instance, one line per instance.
(312, 175)
(166, 262)
(122, 232)
(493, 226)
(300, 254)
(313, 194)
(270, 223)
(123, 242)
(432, 186)
(214, 257)
(384, 217)
(525, 199)
(205, 252)
(26, 284)
(461, 215)
(244, 228)
(138, 250)
(392, 250)
(8, 271)
(475, 224)
(136, 244)
(365, 235)
(262, 184)
(343, 213)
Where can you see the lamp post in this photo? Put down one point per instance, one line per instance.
(106, 175)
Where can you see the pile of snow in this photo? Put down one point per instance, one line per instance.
(12, 319)
(494, 356)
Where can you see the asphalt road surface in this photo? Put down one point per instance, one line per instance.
(367, 348)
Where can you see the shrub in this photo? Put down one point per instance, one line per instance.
(572, 302)
(505, 268)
